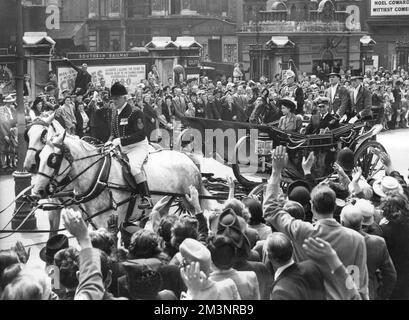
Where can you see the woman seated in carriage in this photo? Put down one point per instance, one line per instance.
(289, 122)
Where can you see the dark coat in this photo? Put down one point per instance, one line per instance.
(326, 121)
(300, 281)
(363, 103)
(212, 111)
(341, 103)
(381, 271)
(79, 128)
(102, 124)
(82, 80)
(129, 126)
(396, 235)
(150, 118)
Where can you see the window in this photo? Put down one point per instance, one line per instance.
(230, 53)
(204, 52)
(103, 8)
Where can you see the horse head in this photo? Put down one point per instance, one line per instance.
(55, 160)
(36, 136)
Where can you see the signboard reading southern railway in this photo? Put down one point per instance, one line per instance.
(102, 55)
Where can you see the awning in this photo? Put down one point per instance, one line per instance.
(36, 38)
(187, 42)
(70, 31)
(280, 42)
(161, 43)
(367, 40)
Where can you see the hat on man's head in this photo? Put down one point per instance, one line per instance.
(299, 191)
(118, 90)
(84, 65)
(356, 74)
(386, 186)
(367, 210)
(345, 158)
(142, 280)
(229, 225)
(322, 101)
(53, 245)
(194, 251)
(334, 74)
(289, 74)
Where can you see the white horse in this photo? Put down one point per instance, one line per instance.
(36, 135)
(67, 156)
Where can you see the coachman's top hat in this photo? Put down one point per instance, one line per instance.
(54, 244)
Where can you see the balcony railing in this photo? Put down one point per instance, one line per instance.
(294, 26)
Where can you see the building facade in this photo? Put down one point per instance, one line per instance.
(388, 24)
(324, 33)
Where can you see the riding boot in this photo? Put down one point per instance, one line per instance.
(146, 201)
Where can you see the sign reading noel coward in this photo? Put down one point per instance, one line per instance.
(102, 55)
(389, 7)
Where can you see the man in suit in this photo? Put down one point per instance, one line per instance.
(305, 280)
(128, 130)
(326, 118)
(361, 100)
(83, 77)
(348, 244)
(382, 273)
(340, 100)
(179, 104)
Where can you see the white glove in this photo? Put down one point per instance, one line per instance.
(95, 95)
(116, 142)
(353, 120)
(344, 118)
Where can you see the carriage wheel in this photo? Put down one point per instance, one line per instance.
(247, 173)
(369, 162)
(258, 192)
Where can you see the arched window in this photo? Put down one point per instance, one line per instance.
(326, 10)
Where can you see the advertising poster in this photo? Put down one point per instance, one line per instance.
(389, 7)
(129, 75)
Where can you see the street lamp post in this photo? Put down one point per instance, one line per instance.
(22, 179)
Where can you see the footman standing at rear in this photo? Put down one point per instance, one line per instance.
(128, 132)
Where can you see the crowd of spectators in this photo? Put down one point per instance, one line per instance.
(345, 238)
(341, 239)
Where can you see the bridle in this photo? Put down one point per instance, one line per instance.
(43, 138)
(54, 161)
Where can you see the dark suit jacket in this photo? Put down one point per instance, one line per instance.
(341, 103)
(300, 281)
(381, 271)
(211, 111)
(396, 235)
(363, 103)
(165, 112)
(325, 122)
(129, 126)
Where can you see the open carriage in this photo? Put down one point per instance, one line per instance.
(250, 154)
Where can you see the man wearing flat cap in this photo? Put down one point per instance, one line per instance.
(128, 132)
(339, 99)
(83, 77)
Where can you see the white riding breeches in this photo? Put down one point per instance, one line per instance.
(137, 154)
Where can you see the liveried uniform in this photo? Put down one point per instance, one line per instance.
(128, 124)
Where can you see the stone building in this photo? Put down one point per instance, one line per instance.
(324, 33)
